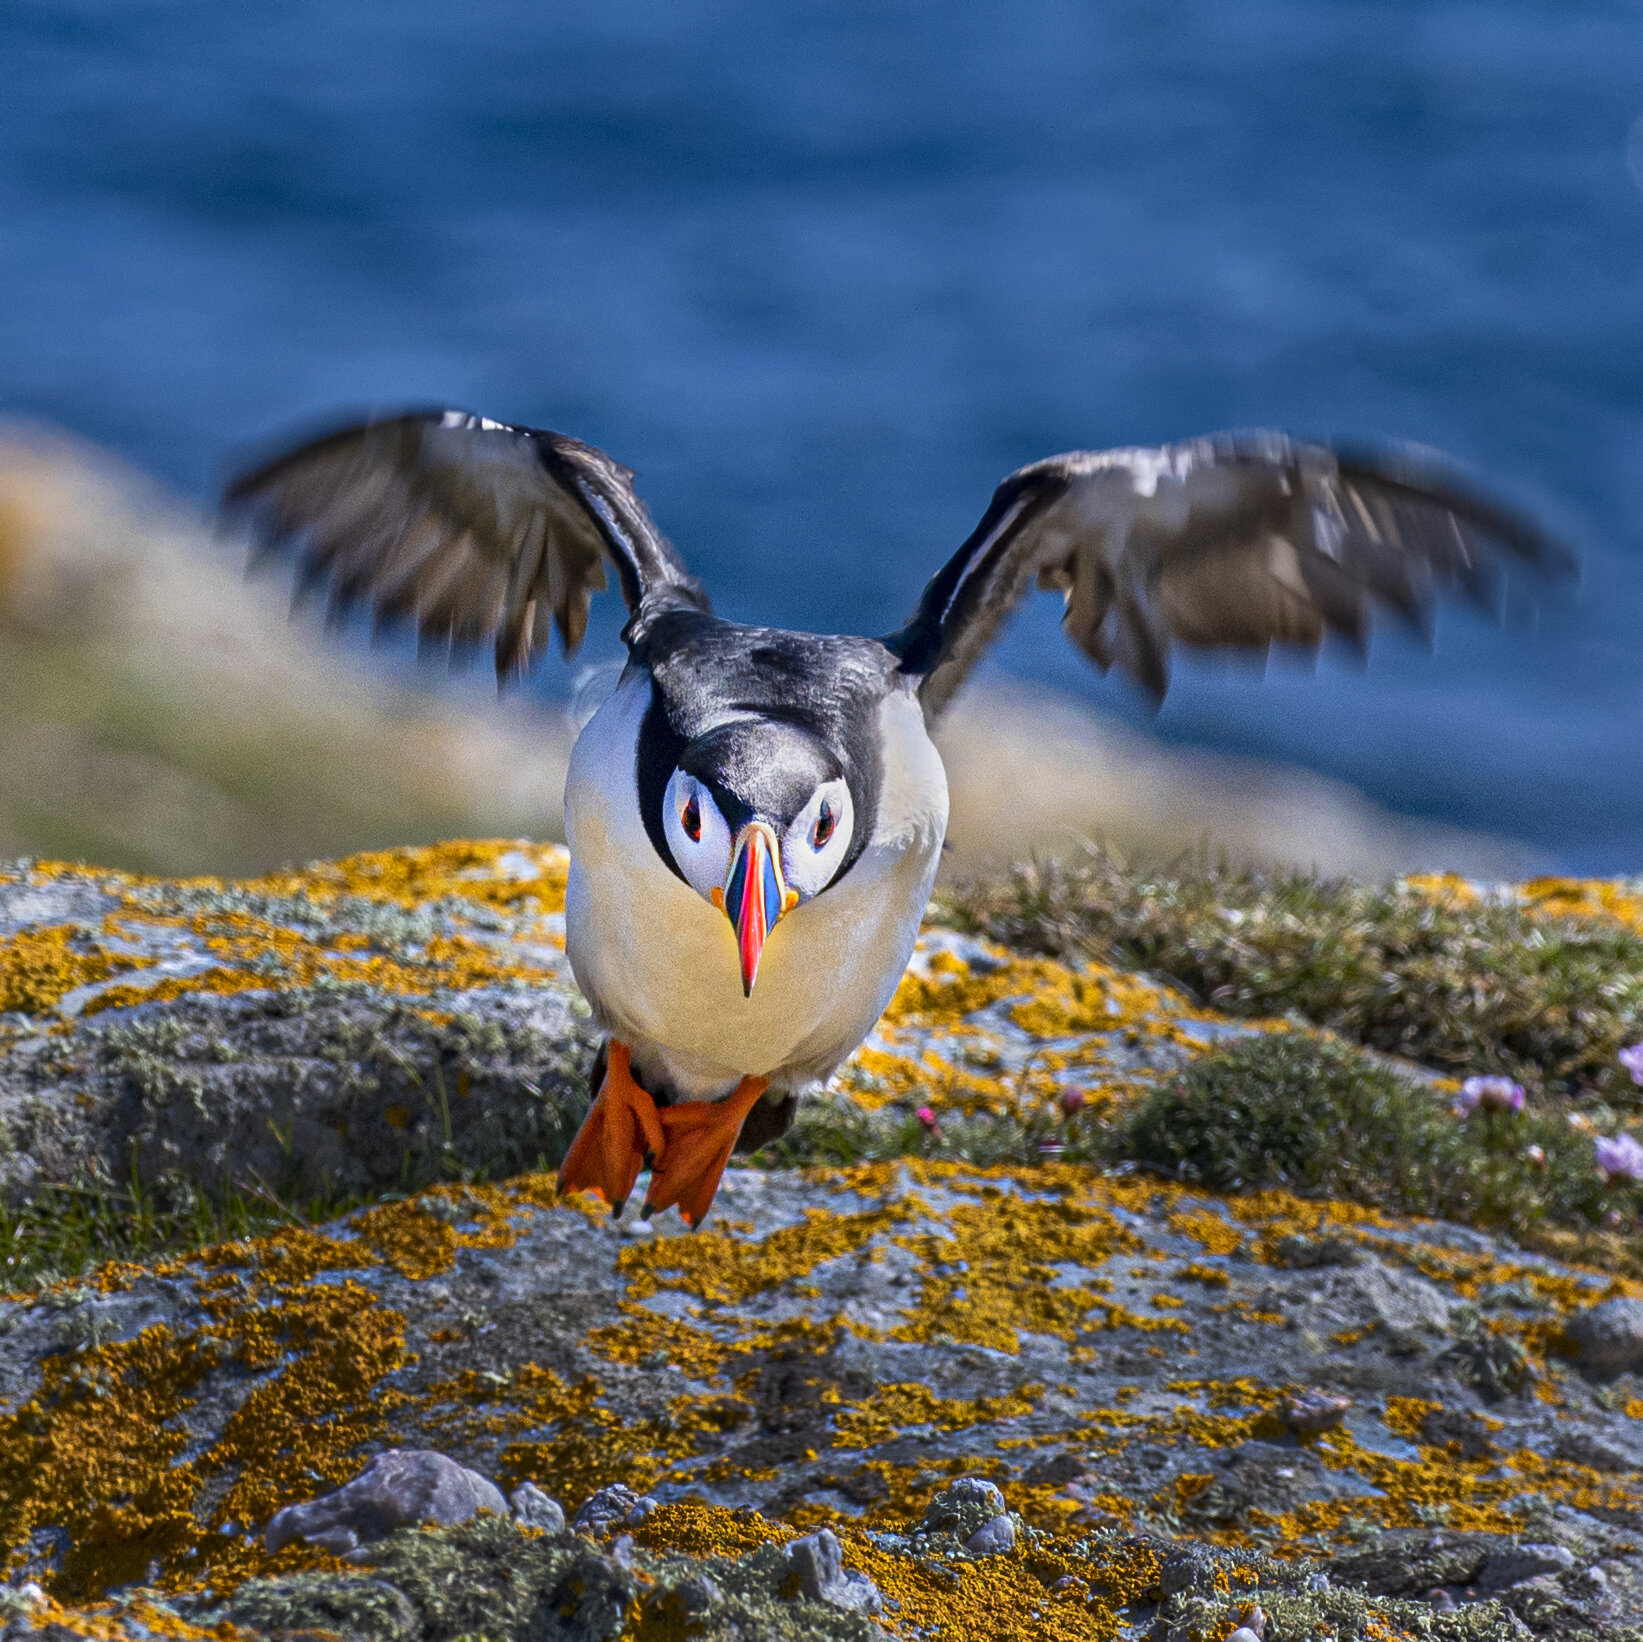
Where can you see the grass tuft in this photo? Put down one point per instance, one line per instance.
(1322, 1117)
(55, 1233)
(1463, 988)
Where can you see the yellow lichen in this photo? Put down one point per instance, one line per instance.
(38, 967)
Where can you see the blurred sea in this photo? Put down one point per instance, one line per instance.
(825, 272)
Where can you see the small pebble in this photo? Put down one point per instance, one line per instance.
(616, 1506)
(1314, 1411)
(963, 1506)
(1441, 1599)
(534, 1509)
(992, 1538)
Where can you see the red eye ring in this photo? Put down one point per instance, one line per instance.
(691, 820)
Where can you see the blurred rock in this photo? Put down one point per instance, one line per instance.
(1608, 1337)
(1509, 1567)
(533, 1509)
(1073, 773)
(614, 1507)
(818, 1561)
(993, 1538)
(963, 1507)
(1313, 1411)
(398, 1488)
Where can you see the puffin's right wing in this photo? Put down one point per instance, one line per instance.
(471, 529)
(1240, 540)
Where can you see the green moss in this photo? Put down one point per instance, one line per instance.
(1485, 986)
(1319, 1116)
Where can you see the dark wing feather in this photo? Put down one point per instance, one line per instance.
(1237, 540)
(472, 530)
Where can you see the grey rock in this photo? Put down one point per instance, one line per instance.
(1582, 1448)
(321, 1088)
(1264, 1476)
(533, 1509)
(1412, 1562)
(993, 1538)
(614, 1507)
(1244, 1634)
(1300, 1253)
(398, 1488)
(818, 1562)
(1519, 1562)
(1373, 1292)
(962, 1507)
(1608, 1337)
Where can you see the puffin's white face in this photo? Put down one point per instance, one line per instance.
(757, 874)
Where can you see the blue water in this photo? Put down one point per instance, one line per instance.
(824, 272)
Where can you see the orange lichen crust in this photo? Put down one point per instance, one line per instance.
(292, 929)
(39, 967)
(991, 1262)
(974, 1029)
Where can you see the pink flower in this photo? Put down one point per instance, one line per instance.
(1632, 1060)
(1490, 1094)
(1619, 1159)
(1537, 1156)
(932, 1125)
(1071, 1101)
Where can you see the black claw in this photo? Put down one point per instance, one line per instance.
(647, 1211)
(616, 1209)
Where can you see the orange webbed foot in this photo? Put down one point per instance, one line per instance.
(621, 1128)
(700, 1135)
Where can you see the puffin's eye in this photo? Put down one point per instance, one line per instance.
(823, 830)
(691, 820)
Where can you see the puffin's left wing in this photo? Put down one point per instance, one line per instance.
(1239, 540)
(474, 530)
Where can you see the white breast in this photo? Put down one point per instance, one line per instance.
(658, 963)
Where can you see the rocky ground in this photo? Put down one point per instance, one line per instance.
(910, 1396)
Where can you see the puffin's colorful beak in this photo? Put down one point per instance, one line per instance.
(755, 896)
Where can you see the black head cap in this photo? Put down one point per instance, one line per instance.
(762, 718)
(760, 767)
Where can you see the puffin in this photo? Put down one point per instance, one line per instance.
(755, 815)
